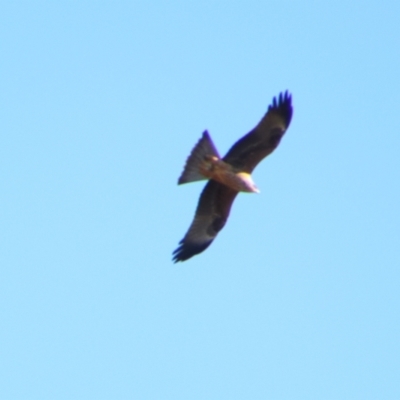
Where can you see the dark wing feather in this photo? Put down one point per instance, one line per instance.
(248, 151)
(211, 214)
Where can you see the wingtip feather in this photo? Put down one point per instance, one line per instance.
(188, 250)
(283, 105)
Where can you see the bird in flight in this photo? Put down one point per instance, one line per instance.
(229, 175)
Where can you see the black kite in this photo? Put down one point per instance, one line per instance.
(228, 175)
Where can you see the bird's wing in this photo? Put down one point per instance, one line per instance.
(211, 214)
(248, 151)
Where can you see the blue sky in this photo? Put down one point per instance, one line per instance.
(297, 298)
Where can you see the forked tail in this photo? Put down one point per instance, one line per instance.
(204, 147)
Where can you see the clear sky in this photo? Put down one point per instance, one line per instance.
(101, 103)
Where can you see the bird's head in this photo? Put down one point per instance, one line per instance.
(248, 183)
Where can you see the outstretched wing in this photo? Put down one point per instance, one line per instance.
(248, 151)
(211, 214)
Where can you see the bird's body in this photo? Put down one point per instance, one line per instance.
(214, 168)
(228, 175)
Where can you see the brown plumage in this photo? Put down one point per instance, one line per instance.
(229, 175)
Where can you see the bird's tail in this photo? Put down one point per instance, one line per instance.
(204, 147)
